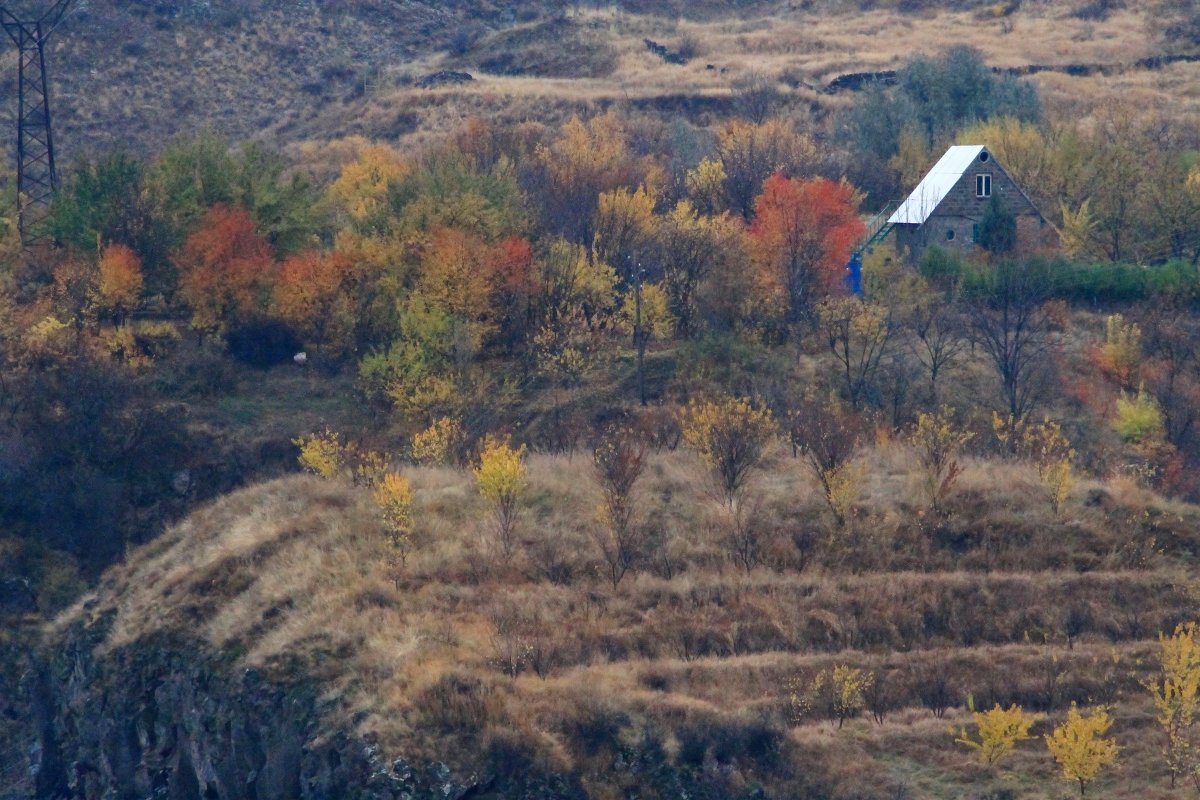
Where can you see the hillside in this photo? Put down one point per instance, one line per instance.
(535, 677)
(406, 399)
(133, 75)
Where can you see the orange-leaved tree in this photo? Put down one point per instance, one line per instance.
(800, 240)
(118, 282)
(225, 267)
(314, 292)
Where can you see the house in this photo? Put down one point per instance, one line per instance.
(949, 203)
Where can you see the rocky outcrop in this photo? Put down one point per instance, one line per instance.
(161, 719)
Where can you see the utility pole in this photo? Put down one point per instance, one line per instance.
(639, 335)
(37, 175)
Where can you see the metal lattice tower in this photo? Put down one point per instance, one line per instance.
(37, 177)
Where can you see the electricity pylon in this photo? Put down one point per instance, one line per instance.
(37, 177)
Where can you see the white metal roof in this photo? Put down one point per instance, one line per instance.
(934, 187)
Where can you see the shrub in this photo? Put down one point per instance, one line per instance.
(1121, 352)
(937, 441)
(458, 704)
(828, 437)
(437, 444)
(323, 454)
(1139, 419)
(618, 462)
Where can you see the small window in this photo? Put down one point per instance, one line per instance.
(975, 232)
(950, 235)
(983, 157)
(983, 185)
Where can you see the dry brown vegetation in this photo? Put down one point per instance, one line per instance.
(138, 73)
(998, 599)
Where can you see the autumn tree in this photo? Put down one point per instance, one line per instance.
(690, 248)
(800, 241)
(1120, 354)
(502, 478)
(749, 153)
(225, 268)
(118, 282)
(839, 692)
(1053, 458)
(937, 441)
(393, 495)
(585, 160)
(624, 227)
(998, 732)
(361, 191)
(645, 315)
(1080, 747)
(858, 335)
(313, 292)
(324, 454)
(730, 436)
(1176, 696)
(829, 437)
(570, 286)
(438, 444)
(618, 460)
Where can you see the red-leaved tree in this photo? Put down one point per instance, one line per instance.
(801, 239)
(225, 268)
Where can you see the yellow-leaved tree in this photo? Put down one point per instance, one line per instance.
(937, 441)
(1080, 746)
(840, 692)
(361, 191)
(393, 495)
(502, 478)
(1176, 695)
(998, 732)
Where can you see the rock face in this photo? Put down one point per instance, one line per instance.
(159, 719)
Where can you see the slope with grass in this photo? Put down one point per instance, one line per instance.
(533, 676)
(133, 75)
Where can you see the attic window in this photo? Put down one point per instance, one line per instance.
(983, 157)
(983, 185)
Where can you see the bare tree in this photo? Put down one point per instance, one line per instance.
(938, 337)
(1009, 322)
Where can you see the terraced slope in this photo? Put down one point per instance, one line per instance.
(535, 675)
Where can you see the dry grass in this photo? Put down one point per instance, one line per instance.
(809, 49)
(433, 656)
